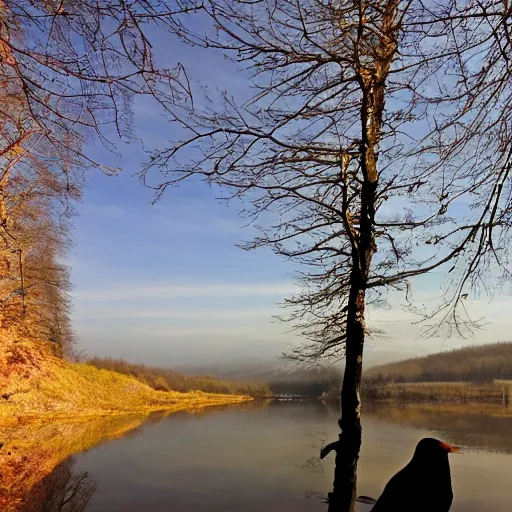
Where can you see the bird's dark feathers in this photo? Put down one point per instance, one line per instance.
(424, 485)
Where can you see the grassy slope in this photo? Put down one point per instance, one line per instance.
(51, 409)
(164, 379)
(37, 384)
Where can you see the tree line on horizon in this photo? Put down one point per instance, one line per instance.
(312, 382)
(164, 379)
(477, 363)
(304, 382)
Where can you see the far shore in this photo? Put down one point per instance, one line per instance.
(497, 392)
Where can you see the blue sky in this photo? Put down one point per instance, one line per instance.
(164, 284)
(166, 280)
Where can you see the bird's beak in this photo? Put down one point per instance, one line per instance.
(449, 448)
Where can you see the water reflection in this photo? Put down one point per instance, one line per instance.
(478, 428)
(63, 490)
(31, 451)
(256, 457)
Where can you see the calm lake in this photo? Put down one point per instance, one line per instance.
(263, 458)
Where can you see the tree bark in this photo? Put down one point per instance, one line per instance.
(347, 451)
(372, 80)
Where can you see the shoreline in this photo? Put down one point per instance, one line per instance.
(88, 415)
(34, 447)
(37, 386)
(490, 408)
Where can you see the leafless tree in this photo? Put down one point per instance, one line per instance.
(79, 64)
(35, 213)
(377, 142)
(69, 71)
(35, 235)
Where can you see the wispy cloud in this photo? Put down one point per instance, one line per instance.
(116, 293)
(170, 314)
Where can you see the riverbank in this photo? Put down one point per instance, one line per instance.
(37, 386)
(496, 392)
(31, 451)
(51, 408)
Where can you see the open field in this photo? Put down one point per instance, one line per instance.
(449, 392)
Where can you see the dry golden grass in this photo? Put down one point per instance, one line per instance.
(84, 390)
(37, 385)
(51, 409)
(164, 379)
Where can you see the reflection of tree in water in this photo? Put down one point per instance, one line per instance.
(61, 491)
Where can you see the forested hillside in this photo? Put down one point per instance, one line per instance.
(481, 363)
(37, 190)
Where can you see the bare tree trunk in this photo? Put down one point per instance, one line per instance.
(347, 452)
(287, 158)
(372, 80)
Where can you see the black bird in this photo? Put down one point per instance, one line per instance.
(424, 485)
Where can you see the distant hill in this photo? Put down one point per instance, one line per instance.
(282, 377)
(480, 363)
(246, 369)
(311, 381)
